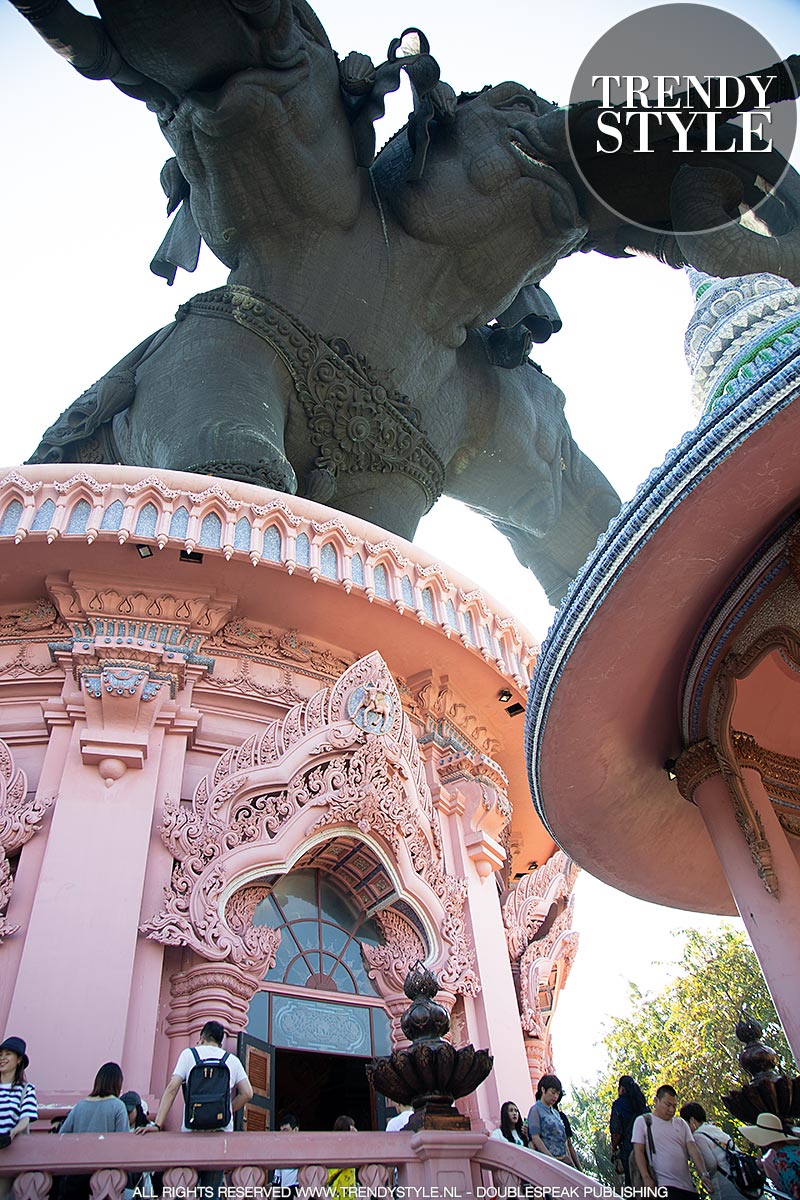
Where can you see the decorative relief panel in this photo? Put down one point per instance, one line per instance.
(389, 963)
(278, 647)
(372, 782)
(537, 915)
(37, 620)
(20, 817)
(447, 720)
(131, 650)
(528, 903)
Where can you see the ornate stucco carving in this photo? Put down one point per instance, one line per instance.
(21, 816)
(370, 782)
(486, 807)
(36, 620)
(535, 968)
(528, 903)
(389, 963)
(131, 651)
(278, 647)
(537, 915)
(448, 721)
(696, 764)
(735, 751)
(217, 934)
(220, 988)
(242, 681)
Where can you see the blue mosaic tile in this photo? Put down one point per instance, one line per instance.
(11, 518)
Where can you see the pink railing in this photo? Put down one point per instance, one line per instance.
(428, 1164)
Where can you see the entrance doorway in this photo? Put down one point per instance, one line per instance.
(318, 1088)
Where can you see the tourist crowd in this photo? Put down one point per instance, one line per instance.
(650, 1149)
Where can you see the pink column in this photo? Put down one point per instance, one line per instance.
(493, 1015)
(773, 923)
(75, 977)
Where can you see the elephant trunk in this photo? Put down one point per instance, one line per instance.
(704, 203)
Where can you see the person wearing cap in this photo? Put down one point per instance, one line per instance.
(17, 1097)
(139, 1183)
(782, 1158)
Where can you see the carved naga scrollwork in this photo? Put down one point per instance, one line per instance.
(538, 914)
(21, 816)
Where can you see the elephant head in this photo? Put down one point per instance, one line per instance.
(723, 214)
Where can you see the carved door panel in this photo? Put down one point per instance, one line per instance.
(258, 1059)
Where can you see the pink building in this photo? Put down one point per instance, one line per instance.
(257, 757)
(663, 731)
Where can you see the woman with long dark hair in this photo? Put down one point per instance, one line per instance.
(629, 1104)
(101, 1112)
(511, 1127)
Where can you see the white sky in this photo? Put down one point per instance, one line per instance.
(83, 211)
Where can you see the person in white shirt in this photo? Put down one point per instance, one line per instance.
(673, 1144)
(712, 1142)
(210, 1046)
(212, 1036)
(400, 1120)
(511, 1128)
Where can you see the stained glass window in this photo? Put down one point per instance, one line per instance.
(322, 931)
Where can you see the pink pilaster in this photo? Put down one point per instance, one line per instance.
(495, 1009)
(772, 921)
(84, 922)
(137, 1060)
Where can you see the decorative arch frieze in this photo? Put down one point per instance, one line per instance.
(345, 759)
(528, 903)
(538, 917)
(21, 817)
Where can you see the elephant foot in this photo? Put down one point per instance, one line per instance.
(275, 474)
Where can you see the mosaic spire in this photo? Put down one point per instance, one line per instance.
(739, 326)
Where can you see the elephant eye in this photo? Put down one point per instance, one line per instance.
(528, 103)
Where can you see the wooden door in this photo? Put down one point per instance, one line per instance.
(258, 1059)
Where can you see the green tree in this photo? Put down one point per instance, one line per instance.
(683, 1035)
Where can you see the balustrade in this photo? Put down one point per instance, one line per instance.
(430, 1163)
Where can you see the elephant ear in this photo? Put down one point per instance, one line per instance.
(718, 231)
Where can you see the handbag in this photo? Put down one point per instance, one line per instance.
(637, 1180)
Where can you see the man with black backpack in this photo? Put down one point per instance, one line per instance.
(215, 1086)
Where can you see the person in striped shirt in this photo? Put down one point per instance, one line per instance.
(17, 1097)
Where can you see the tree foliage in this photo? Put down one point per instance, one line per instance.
(683, 1035)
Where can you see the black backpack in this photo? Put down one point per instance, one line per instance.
(207, 1094)
(745, 1172)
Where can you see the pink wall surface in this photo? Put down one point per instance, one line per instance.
(155, 706)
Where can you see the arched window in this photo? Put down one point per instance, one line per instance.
(321, 934)
(322, 931)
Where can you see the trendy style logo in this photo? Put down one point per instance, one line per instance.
(682, 86)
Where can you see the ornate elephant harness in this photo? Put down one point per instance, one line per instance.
(355, 419)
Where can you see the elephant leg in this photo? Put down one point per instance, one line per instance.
(521, 468)
(392, 501)
(212, 398)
